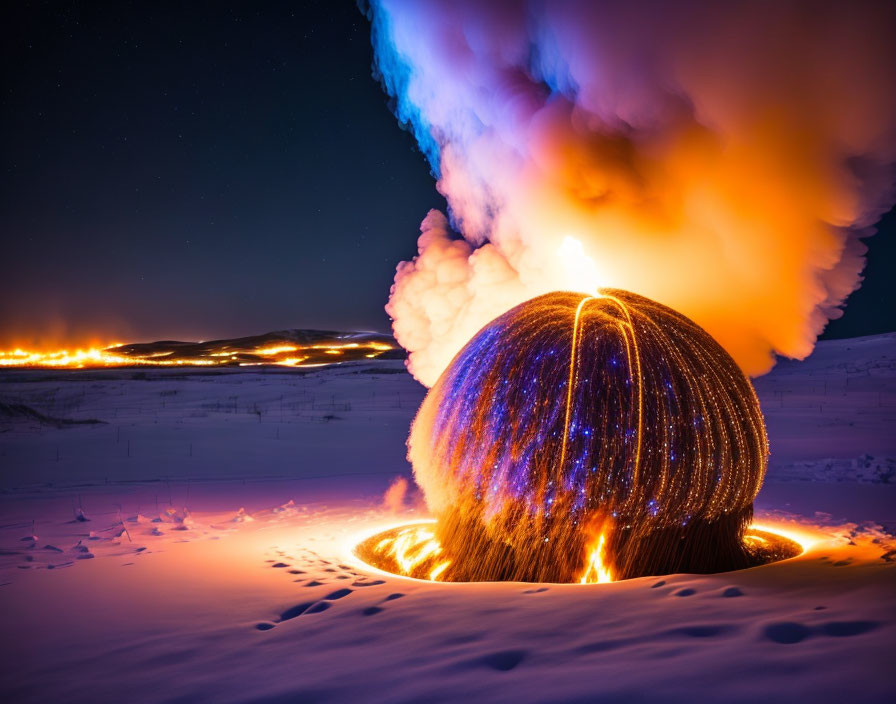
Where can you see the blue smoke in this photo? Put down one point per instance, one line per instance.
(394, 72)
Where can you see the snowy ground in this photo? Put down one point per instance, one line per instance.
(215, 564)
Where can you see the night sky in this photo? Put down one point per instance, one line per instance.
(213, 170)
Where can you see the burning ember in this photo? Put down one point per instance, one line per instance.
(411, 551)
(587, 438)
(414, 551)
(290, 348)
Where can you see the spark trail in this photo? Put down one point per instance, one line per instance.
(579, 434)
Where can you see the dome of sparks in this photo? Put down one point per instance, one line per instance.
(590, 438)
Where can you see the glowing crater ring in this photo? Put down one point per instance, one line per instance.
(405, 550)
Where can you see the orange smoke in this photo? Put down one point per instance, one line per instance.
(393, 499)
(723, 159)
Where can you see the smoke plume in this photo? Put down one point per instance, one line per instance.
(393, 499)
(724, 159)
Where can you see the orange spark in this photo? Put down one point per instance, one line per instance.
(596, 572)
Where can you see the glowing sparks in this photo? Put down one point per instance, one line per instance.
(197, 354)
(574, 407)
(438, 569)
(572, 375)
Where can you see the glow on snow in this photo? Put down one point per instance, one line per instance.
(413, 550)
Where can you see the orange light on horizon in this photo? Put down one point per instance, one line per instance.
(275, 349)
(287, 355)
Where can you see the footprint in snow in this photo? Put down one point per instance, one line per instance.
(704, 631)
(374, 610)
(687, 591)
(314, 607)
(296, 610)
(842, 629)
(791, 632)
(338, 594)
(502, 661)
(786, 632)
(309, 607)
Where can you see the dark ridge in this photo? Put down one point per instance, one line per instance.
(245, 347)
(20, 410)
